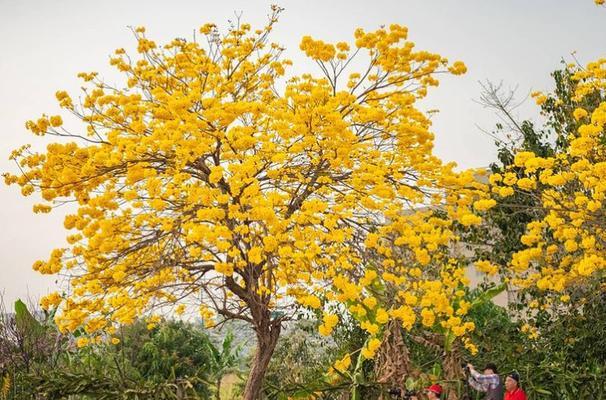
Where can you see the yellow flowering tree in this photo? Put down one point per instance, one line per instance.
(210, 179)
(563, 246)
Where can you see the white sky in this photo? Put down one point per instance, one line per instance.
(44, 44)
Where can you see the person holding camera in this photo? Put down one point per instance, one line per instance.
(512, 387)
(488, 382)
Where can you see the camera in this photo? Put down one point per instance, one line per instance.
(398, 394)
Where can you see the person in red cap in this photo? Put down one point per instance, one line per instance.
(434, 391)
(512, 387)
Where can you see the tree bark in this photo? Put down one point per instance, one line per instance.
(267, 338)
(453, 371)
(392, 364)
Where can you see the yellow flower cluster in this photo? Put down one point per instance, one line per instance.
(539, 98)
(50, 301)
(343, 364)
(317, 49)
(208, 316)
(371, 347)
(487, 267)
(329, 323)
(531, 331)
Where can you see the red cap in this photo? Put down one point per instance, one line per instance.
(437, 389)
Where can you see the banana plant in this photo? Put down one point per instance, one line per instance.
(224, 360)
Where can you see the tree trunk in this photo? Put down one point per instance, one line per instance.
(453, 372)
(267, 338)
(392, 364)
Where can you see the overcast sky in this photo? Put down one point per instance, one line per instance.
(44, 44)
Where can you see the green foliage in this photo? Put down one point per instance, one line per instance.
(565, 362)
(27, 344)
(172, 349)
(224, 360)
(303, 358)
(170, 361)
(25, 321)
(174, 360)
(98, 386)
